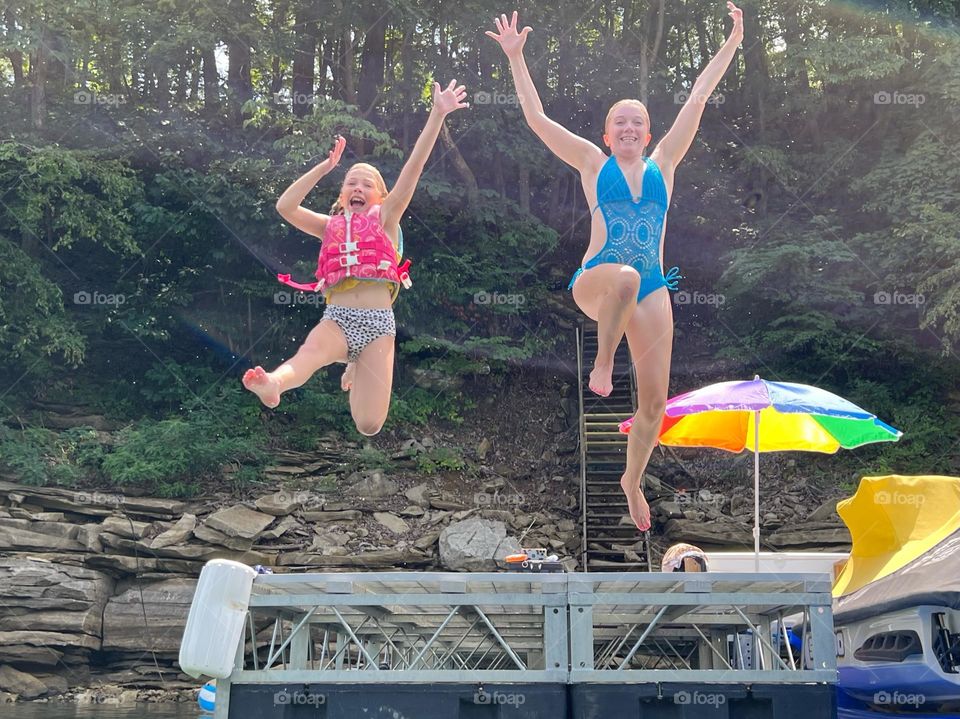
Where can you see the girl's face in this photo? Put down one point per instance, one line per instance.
(628, 131)
(359, 192)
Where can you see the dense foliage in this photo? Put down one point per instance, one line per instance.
(143, 147)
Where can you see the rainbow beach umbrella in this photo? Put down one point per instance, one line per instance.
(764, 416)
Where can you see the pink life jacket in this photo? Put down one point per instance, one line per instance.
(354, 245)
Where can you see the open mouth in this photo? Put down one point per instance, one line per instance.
(356, 203)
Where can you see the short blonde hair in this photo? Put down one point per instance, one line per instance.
(378, 183)
(621, 103)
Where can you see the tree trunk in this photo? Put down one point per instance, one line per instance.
(460, 165)
(163, 85)
(347, 85)
(238, 70)
(797, 76)
(407, 61)
(324, 48)
(553, 210)
(181, 94)
(276, 64)
(211, 81)
(372, 58)
(304, 59)
(194, 75)
(16, 57)
(137, 69)
(650, 50)
(523, 187)
(38, 96)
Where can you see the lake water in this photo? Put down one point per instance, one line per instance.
(168, 711)
(70, 711)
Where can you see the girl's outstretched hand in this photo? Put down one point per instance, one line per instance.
(446, 101)
(510, 40)
(333, 159)
(736, 14)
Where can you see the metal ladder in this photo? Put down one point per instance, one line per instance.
(603, 453)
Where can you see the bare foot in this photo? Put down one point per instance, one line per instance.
(263, 385)
(639, 509)
(346, 381)
(601, 379)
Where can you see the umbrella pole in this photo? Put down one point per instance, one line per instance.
(756, 491)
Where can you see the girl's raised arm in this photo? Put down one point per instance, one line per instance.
(397, 201)
(572, 149)
(289, 207)
(674, 145)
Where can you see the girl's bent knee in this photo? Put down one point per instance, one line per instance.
(627, 284)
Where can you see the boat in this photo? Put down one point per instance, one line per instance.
(896, 602)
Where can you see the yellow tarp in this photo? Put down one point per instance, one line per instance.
(893, 520)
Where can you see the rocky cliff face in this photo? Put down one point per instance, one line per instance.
(95, 587)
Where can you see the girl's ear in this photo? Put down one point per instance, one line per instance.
(606, 139)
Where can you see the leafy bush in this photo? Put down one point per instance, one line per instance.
(174, 456)
(42, 457)
(439, 459)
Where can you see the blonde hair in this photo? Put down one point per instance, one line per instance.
(378, 183)
(621, 103)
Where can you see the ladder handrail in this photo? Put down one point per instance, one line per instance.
(583, 450)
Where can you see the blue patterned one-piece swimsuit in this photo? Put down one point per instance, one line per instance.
(634, 227)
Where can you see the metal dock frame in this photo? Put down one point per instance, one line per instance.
(627, 628)
(656, 627)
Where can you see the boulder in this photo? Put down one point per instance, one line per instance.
(475, 544)
(278, 530)
(419, 495)
(179, 532)
(239, 521)
(346, 515)
(25, 685)
(280, 504)
(392, 522)
(207, 534)
(373, 485)
(826, 511)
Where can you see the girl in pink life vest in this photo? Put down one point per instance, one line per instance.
(357, 273)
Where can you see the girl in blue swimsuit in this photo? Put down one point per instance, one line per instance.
(621, 283)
